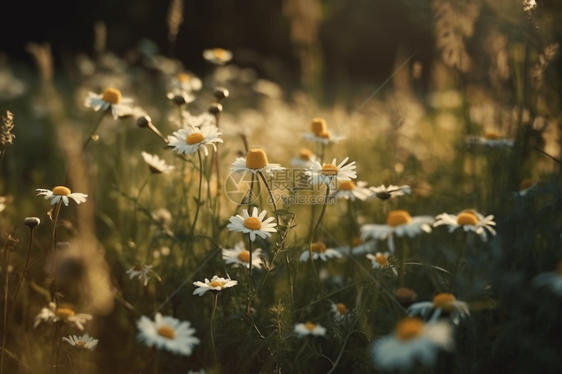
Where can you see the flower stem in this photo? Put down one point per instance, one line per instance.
(403, 256)
(192, 231)
(97, 125)
(7, 264)
(312, 239)
(211, 328)
(54, 241)
(458, 263)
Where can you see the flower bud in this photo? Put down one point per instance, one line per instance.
(143, 121)
(178, 100)
(32, 222)
(215, 108)
(221, 93)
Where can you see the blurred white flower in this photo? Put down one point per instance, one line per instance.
(241, 256)
(384, 193)
(217, 56)
(339, 311)
(141, 272)
(351, 191)
(309, 328)
(112, 99)
(167, 333)
(190, 140)
(442, 302)
(329, 174)
(320, 133)
(304, 160)
(380, 261)
(183, 85)
(490, 140)
(157, 165)
(552, 280)
(319, 251)
(61, 193)
(469, 220)
(64, 314)
(216, 284)
(83, 342)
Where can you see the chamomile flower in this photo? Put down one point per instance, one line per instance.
(309, 328)
(3, 202)
(412, 341)
(111, 99)
(216, 284)
(351, 191)
(329, 174)
(380, 261)
(320, 133)
(64, 314)
(490, 140)
(167, 333)
(339, 311)
(141, 272)
(526, 186)
(469, 220)
(255, 162)
(217, 56)
(182, 87)
(442, 302)
(157, 165)
(252, 224)
(190, 140)
(384, 193)
(241, 256)
(61, 193)
(304, 160)
(359, 247)
(319, 251)
(84, 342)
(552, 280)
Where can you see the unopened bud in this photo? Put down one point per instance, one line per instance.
(178, 100)
(32, 222)
(143, 121)
(221, 93)
(215, 108)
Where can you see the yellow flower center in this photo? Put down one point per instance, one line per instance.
(329, 169)
(526, 183)
(252, 223)
(381, 259)
(356, 241)
(306, 154)
(318, 247)
(217, 283)
(61, 191)
(398, 217)
(310, 326)
(244, 256)
(347, 185)
(81, 344)
(138, 267)
(194, 138)
(183, 77)
(64, 312)
(341, 308)
(467, 218)
(167, 332)
(492, 135)
(112, 95)
(325, 134)
(443, 300)
(220, 53)
(319, 125)
(256, 158)
(409, 328)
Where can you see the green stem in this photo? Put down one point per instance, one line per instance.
(54, 241)
(318, 283)
(100, 120)
(403, 256)
(211, 328)
(458, 263)
(192, 231)
(7, 263)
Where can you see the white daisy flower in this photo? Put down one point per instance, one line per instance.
(320, 133)
(3, 202)
(111, 99)
(399, 223)
(552, 280)
(526, 187)
(490, 140)
(329, 174)
(469, 220)
(141, 272)
(187, 120)
(358, 247)
(167, 333)
(157, 165)
(216, 284)
(190, 140)
(64, 314)
(183, 86)
(380, 261)
(412, 341)
(240, 256)
(351, 191)
(319, 251)
(384, 193)
(253, 225)
(442, 302)
(83, 342)
(304, 160)
(339, 311)
(255, 162)
(217, 56)
(61, 193)
(309, 328)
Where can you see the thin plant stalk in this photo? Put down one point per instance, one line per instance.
(7, 262)
(23, 273)
(250, 250)
(318, 283)
(192, 231)
(211, 327)
(54, 241)
(403, 256)
(96, 126)
(458, 263)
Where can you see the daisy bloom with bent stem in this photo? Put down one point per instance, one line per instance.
(412, 341)
(241, 256)
(490, 140)
(252, 224)
(306, 156)
(167, 333)
(182, 87)
(111, 99)
(442, 302)
(61, 193)
(216, 284)
(189, 140)
(320, 133)
(469, 220)
(84, 342)
(255, 162)
(319, 251)
(339, 311)
(329, 174)
(309, 328)
(552, 280)
(141, 272)
(384, 193)
(217, 56)
(157, 165)
(64, 314)
(351, 191)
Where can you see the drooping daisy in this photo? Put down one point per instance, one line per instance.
(255, 162)
(157, 165)
(64, 314)
(380, 260)
(526, 187)
(309, 328)
(111, 99)
(339, 311)
(240, 256)
(399, 223)
(442, 302)
(384, 193)
(490, 140)
(319, 251)
(552, 280)
(216, 284)
(167, 333)
(330, 173)
(359, 247)
(190, 140)
(320, 133)
(182, 87)
(61, 193)
(84, 342)
(217, 56)
(351, 191)
(141, 272)
(304, 160)
(469, 220)
(252, 224)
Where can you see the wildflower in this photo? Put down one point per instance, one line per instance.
(239, 255)
(183, 86)
(330, 173)
(490, 140)
(469, 220)
(220, 93)
(552, 280)
(351, 191)
(405, 296)
(3, 202)
(167, 333)
(190, 140)
(339, 311)
(253, 225)
(84, 342)
(255, 162)
(309, 328)
(156, 165)
(412, 341)
(64, 314)
(61, 193)
(359, 247)
(384, 193)
(141, 272)
(32, 222)
(319, 251)
(6, 127)
(442, 302)
(217, 56)
(304, 160)
(320, 133)
(112, 99)
(399, 223)
(526, 187)
(216, 284)
(380, 260)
